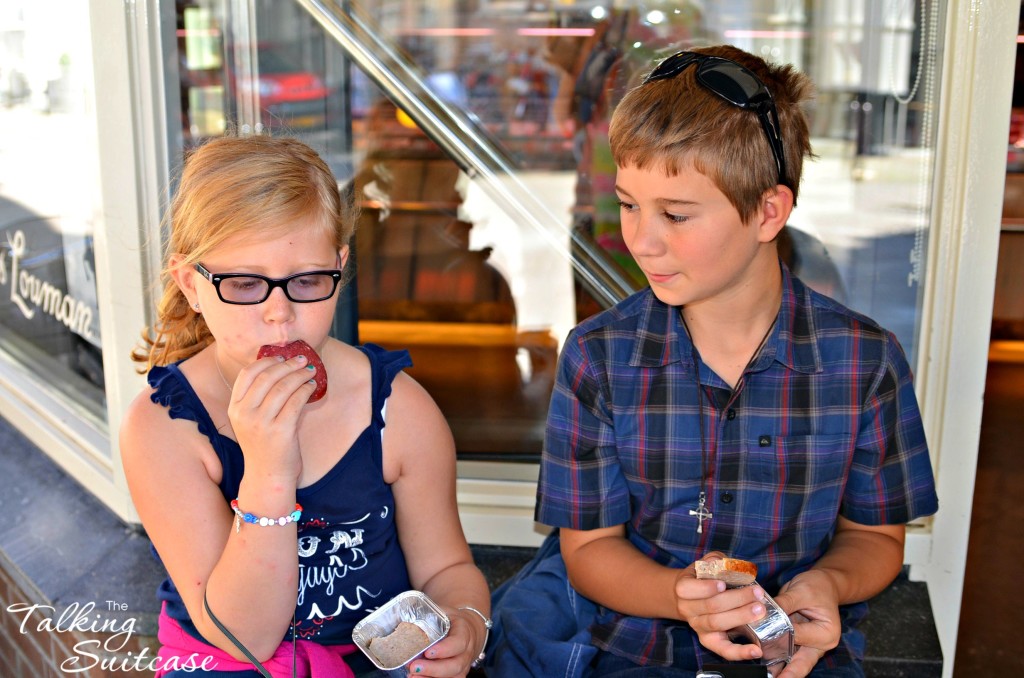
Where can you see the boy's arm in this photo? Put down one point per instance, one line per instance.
(860, 562)
(862, 559)
(889, 482)
(605, 567)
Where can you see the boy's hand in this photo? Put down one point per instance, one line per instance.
(811, 602)
(711, 610)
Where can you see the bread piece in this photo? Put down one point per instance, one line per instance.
(733, 571)
(399, 646)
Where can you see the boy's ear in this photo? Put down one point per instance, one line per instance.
(343, 257)
(776, 206)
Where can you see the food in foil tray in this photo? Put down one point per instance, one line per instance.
(400, 630)
(399, 646)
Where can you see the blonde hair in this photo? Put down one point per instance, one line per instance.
(232, 185)
(676, 123)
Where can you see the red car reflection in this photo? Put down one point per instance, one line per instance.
(289, 96)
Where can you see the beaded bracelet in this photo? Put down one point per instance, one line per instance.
(487, 634)
(240, 515)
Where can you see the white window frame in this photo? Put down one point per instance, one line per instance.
(134, 176)
(496, 508)
(970, 172)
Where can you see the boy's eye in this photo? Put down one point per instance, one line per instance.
(626, 205)
(676, 218)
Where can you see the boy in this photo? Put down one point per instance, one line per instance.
(728, 409)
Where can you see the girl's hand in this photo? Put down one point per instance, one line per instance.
(266, 403)
(453, 655)
(712, 610)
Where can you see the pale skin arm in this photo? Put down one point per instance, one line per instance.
(419, 461)
(605, 567)
(251, 576)
(860, 563)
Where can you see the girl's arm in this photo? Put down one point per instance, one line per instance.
(250, 576)
(419, 462)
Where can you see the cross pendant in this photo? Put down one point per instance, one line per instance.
(702, 513)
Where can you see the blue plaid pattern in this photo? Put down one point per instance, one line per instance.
(825, 422)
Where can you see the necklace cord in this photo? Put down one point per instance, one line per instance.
(222, 377)
(702, 513)
(700, 412)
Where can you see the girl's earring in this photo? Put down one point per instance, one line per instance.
(196, 306)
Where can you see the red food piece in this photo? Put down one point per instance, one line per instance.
(299, 347)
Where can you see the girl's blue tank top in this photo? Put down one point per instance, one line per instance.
(350, 561)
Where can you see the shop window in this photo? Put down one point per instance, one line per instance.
(482, 273)
(49, 319)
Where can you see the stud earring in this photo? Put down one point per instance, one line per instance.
(196, 307)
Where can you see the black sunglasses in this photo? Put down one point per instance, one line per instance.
(249, 288)
(737, 85)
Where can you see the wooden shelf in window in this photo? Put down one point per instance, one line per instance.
(411, 205)
(413, 334)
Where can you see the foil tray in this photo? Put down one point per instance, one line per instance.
(411, 606)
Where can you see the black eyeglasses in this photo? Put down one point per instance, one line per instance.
(248, 288)
(737, 85)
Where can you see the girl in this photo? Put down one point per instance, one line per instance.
(358, 487)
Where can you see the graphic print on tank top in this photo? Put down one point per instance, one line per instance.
(333, 562)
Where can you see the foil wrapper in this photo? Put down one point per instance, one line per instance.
(411, 606)
(773, 633)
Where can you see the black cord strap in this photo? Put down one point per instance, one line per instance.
(244, 650)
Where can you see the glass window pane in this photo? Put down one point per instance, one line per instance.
(48, 199)
(545, 82)
(448, 274)
(479, 256)
(286, 77)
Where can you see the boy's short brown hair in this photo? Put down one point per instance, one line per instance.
(677, 122)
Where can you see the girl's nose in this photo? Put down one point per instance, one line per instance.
(278, 307)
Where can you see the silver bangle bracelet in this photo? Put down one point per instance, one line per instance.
(487, 634)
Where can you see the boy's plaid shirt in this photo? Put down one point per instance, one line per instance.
(825, 422)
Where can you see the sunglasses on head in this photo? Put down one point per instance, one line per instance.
(737, 85)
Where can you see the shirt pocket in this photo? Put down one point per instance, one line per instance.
(804, 478)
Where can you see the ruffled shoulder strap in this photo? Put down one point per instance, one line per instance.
(384, 365)
(172, 390)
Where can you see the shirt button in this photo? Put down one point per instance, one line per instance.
(731, 414)
(764, 441)
(726, 497)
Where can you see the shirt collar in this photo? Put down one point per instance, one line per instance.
(662, 340)
(658, 334)
(797, 343)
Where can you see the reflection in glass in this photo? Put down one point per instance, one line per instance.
(424, 285)
(49, 320)
(284, 78)
(450, 266)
